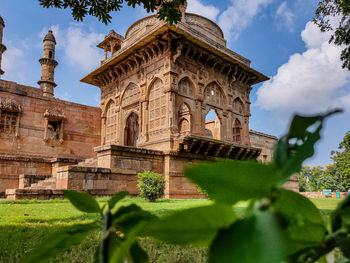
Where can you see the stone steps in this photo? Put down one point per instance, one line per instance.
(49, 183)
(91, 162)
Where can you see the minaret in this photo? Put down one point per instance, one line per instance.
(48, 64)
(2, 47)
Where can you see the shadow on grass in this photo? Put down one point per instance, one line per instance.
(74, 219)
(17, 241)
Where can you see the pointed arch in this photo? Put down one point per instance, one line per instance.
(110, 122)
(238, 106)
(156, 105)
(155, 81)
(237, 131)
(212, 125)
(186, 87)
(215, 95)
(131, 130)
(131, 94)
(105, 109)
(184, 116)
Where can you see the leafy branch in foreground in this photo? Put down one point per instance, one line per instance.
(326, 16)
(167, 10)
(278, 225)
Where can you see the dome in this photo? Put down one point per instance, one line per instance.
(196, 22)
(49, 36)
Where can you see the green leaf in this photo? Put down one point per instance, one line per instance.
(304, 226)
(191, 226)
(59, 242)
(344, 245)
(255, 239)
(232, 181)
(137, 254)
(119, 253)
(341, 216)
(82, 201)
(116, 198)
(298, 145)
(128, 217)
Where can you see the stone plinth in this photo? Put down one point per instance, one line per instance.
(105, 181)
(130, 158)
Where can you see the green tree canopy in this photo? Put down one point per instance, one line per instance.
(341, 160)
(166, 10)
(326, 12)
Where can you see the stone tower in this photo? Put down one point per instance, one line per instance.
(2, 47)
(48, 64)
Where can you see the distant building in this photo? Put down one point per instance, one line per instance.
(157, 84)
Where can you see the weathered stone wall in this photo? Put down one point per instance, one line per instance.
(101, 181)
(81, 128)
(264, 141)
(12, 166)
(27, 151)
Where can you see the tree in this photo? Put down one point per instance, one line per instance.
(341, 160)
(329, 179)
(326, 12)
(309, 178)
(169, 11)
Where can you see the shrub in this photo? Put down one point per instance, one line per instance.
(151, 185)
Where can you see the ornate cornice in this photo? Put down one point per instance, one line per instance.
(48, 61)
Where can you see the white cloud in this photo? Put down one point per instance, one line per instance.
(14, 62)
(11, 57)
(79, 45)
(309, 82)
(285, 15)
(239, 15)
(208, 11)
(345, 101)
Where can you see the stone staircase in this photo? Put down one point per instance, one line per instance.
(49, 183)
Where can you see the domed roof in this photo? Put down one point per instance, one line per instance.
(195, 21)
(50, 36)
(2, 21)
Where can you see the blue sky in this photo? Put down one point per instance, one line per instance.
(276, 35)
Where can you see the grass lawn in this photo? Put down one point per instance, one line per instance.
(24, 224)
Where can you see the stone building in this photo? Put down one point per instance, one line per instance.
(158, 84)
(38, 132)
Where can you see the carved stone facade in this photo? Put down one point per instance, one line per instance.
(169, 78)
(158, 84)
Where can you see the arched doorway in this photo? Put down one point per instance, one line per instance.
(237, 131)
(131, 132)
(184, 120)
(212, 125)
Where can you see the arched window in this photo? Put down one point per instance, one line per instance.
(157, 106)
(9, 116)
(186, 87)
(185, 119)
(237, 131)
(111, 122)
(213, 95)
(131, 94)
(212, 125)
(131, 134)
(50, 54)
(184, 127)
(238, 106)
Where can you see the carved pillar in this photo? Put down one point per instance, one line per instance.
(46, 127)
(103, 130)
(144, 121)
